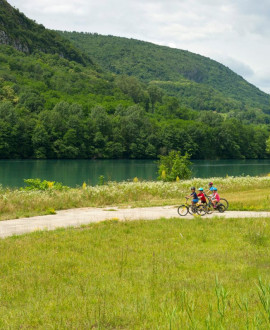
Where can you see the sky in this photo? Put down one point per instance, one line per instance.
(235, 33)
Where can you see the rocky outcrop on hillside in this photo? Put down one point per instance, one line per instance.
(26, 35)
(6, 40)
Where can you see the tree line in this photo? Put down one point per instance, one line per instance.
(67, 131)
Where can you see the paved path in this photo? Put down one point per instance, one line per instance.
(80, 216)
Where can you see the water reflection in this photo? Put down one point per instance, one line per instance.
(75, 172)
(222, 168)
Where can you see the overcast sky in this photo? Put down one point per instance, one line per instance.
(233, 32)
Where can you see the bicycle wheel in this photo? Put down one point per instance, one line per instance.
(209, 208)
(221, 208)
(201, 210)
(182, 210)
(225, 203)
(192, 209)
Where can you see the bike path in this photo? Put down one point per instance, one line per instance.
(83, 216)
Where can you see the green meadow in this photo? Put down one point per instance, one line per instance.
(243, 193)
(163, 274)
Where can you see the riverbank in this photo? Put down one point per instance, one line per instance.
(243, 194)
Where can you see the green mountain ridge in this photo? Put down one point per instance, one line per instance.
(149, 62)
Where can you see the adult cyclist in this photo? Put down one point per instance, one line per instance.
(210, 188)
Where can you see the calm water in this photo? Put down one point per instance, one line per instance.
(75, 172)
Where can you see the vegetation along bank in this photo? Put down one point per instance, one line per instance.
(243, 193)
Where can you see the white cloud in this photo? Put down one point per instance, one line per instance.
(262, 78)
(235, 32)
(241, 68)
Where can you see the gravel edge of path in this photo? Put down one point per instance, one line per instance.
(83, 216)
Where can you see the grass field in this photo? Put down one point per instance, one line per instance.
(163, 274)
(243, 193)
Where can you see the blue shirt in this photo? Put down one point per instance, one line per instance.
(194, 194)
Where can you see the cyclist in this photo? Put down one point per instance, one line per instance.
(201, 195)
(194, 196)
(215, 197)
(210, 187)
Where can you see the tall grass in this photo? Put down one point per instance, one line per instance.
(166, 274)
(243, 193)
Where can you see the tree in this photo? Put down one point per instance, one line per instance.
(32, 101)
(267, 149)
(7, 94)
(132, 87)
(9, 146)
(101, 120)
(41, 141)
(174, 165)
(155, 94)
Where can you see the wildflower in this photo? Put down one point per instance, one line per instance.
(135, 179)
(84, 185)
(50, 184)
(163, 175)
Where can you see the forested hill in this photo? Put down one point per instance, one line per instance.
(54, 103)
(26, 35)
(180, 73)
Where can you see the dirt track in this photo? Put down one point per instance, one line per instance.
(77, 217)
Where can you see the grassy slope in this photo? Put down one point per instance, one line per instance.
(243, 193)
(138, 275)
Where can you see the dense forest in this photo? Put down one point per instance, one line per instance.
(197, 81)
(67, 104)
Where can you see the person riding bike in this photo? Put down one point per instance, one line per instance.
(210, 188)
(201, 195)
(215, 197)
(194, 196)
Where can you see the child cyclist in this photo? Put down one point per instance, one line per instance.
(201, 195)
(215, 197)
(194, 196)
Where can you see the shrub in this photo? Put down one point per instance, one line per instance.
(37, 184)
(101, 180)
(174, 167)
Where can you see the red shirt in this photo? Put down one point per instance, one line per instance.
(202, 197)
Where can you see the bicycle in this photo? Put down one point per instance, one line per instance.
(186, 208)
(219, 206)
(225, 203)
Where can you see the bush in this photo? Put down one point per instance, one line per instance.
(174, 167)
(37, 184)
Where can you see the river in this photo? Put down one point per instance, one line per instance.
(74, 172)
